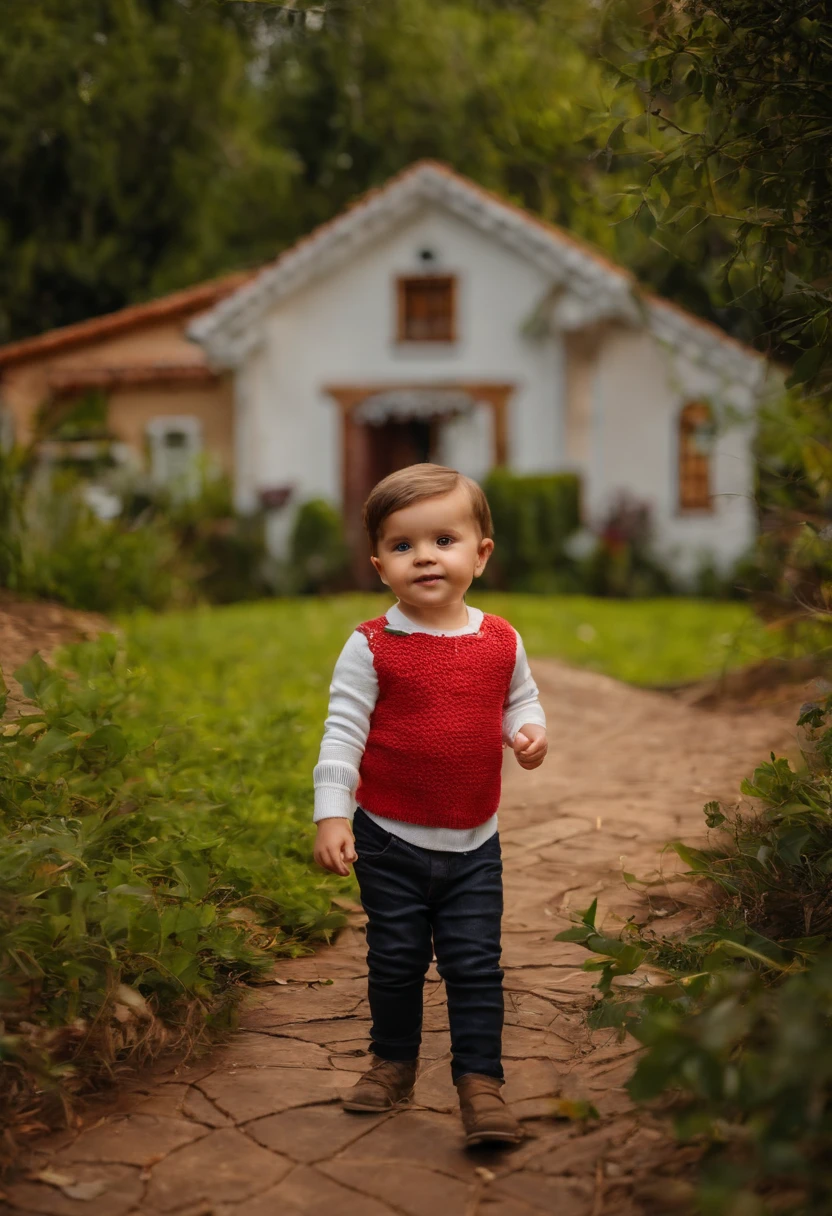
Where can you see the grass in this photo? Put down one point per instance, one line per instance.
(227, 664)
(647, 642)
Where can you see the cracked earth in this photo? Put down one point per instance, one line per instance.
(255, 1129)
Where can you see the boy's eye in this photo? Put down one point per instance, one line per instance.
(444, 541)
(401, 546)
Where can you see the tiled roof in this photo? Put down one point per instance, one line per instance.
(69, 380)
(597, 286)
(178, 303)
(230, 306)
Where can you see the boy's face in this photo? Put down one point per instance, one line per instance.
(430, 553)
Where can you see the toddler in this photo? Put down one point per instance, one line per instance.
(421, 702)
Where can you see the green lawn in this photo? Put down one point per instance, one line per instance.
(649, 642)
(237, 667)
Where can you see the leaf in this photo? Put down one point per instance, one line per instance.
(106, 746)
(53, 1178)
(714, 817)
(85, 1191)
(807, 366)
(134, 1001)
(33, 674)
(694, 858)
(645, 220)
(739, 949)
(578, 933)
(49, 745)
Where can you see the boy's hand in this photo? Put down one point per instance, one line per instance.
(530, 746)
(334, 846)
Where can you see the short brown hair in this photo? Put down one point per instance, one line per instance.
(415, 483)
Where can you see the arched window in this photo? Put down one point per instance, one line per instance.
(696, 433)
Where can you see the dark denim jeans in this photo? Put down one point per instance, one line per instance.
(419, 901)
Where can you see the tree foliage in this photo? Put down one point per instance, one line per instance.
(506, 92)
(147, 144)
(733, 148)
(735, 140)
(131, 153)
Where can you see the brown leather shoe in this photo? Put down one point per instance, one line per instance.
(485, 1116)
(387, 1083)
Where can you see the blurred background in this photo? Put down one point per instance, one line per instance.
(572, 276)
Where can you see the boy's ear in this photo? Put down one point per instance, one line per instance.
(485, 550)
(377, 567)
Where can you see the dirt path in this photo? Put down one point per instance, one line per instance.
(256, 1130)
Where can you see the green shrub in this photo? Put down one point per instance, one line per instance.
(736, 1019)
(70, 555)
(318, 552)
(136, 891)
(160, 549)
(533, 518)
(791, 574)
(224, 552)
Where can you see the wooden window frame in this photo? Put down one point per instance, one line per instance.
(406, 280)
(693, 468)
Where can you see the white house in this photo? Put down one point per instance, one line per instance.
(433, 320)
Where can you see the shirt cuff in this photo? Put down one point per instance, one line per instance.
(333, 802)
(334, 785)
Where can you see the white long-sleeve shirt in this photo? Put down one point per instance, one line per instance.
(352, 698)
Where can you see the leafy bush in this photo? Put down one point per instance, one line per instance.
(70, 555)
(137, 892)
(737, 1019)
(224, 553)
(790, 575)
(318, 552)
(533, 518)
(157, 550)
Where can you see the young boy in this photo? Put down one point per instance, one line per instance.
(421, 702)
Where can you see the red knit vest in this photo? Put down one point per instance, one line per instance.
(434, 752)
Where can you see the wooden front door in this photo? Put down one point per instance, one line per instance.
(371, 453)
(395, 445)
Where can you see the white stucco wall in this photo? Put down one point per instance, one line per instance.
(639, 389)
(341, 330)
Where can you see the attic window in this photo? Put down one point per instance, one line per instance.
(426, 308)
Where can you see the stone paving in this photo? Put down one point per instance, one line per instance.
(256, 1130)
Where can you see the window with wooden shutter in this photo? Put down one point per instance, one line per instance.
(427, 305)
(696, 431)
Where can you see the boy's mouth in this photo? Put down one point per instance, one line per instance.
(429, 578)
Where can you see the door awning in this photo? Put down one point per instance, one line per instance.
(412, 404)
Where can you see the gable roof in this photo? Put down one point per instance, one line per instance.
(592, 286)
(82, 333)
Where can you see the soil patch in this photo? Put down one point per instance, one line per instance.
(31, 626)
(773, 683)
